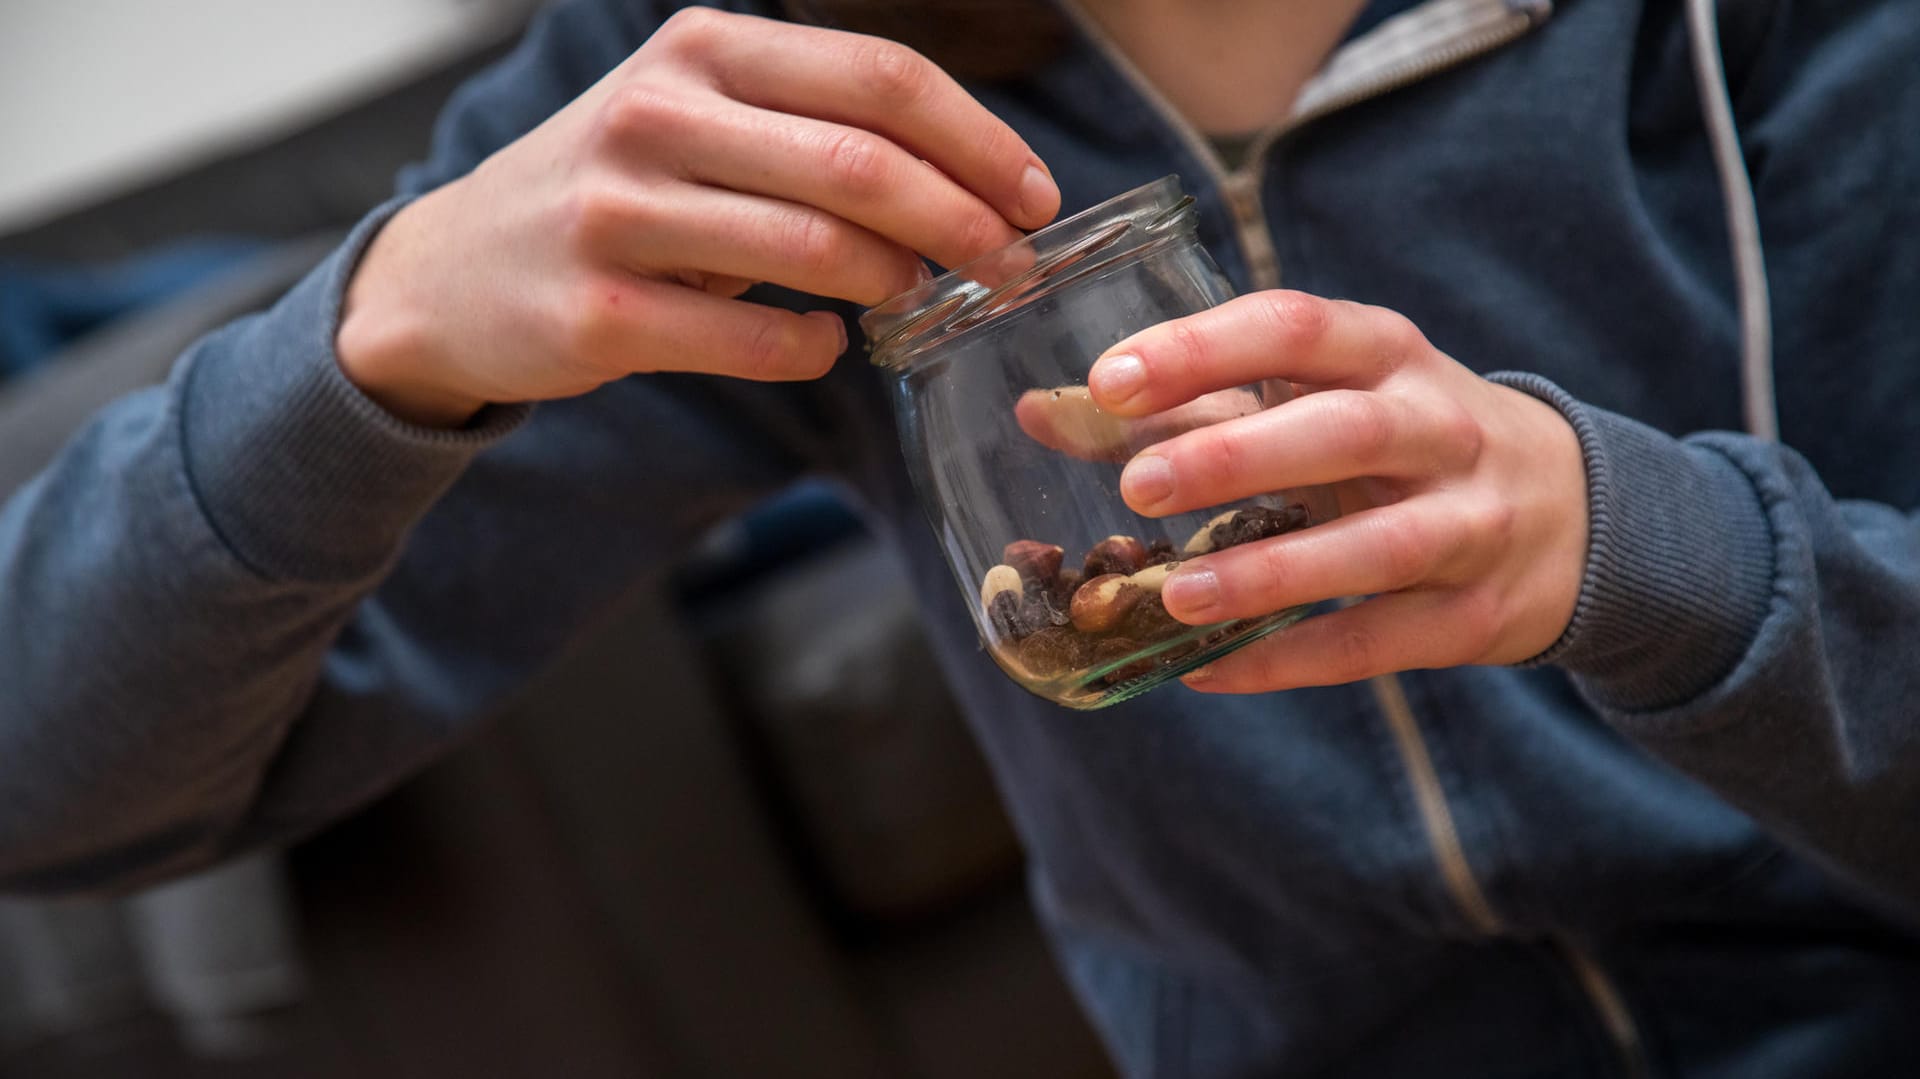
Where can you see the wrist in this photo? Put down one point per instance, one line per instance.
(388, 343)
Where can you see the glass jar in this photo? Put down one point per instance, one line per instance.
(1019, 472)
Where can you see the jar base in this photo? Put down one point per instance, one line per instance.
(1093, 687)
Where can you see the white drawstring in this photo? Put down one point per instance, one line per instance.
(1743, 225)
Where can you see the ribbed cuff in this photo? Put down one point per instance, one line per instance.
(1679, 562)
(303, 476)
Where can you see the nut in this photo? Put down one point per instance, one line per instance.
(1034, 560)
(1006, 617)
(1235, 527)
(1160, 551)
(1059, 592)
(1202, 541)
(1000, 579)
(1101, 603)
(1153, 578)
(1115, 554)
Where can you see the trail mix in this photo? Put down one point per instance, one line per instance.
(1050, 619)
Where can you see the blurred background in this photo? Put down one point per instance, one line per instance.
(796, 865)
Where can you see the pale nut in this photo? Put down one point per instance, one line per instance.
(1102, 602)
(1202, 541)
(999, 579)
(1115, 554)
(1153, 578)
(1034, 560)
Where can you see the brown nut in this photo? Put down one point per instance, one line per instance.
(1034, 560)
(1000, 579)
(1160, 551)
(1115, 554)
(1102, 602)
(1059, 592)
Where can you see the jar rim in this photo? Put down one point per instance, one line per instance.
(1002, 280)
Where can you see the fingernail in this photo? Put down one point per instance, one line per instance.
(1147, 480)
(921, 274)
(840, 327)
(1117, 379)
(1191, 592)
(1039, 198)
(1194, 678)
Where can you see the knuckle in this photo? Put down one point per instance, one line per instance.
(1400, 340)
(810, 242)
(980, 232)
(693, 28)
(1363, 423)
(1189, 349)
(1292, 320)
(1274, 568)
(1355, 654)
(767, 352)
(890, 73)
(1406, 548)
(1475, 625)
(1459, 431)
(639, 107)
(855, 162)
(1221, 457)
(592, 214)
(1490, 521)
(593, 323)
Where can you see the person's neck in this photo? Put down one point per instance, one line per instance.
(1231, 67)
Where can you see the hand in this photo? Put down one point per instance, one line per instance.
(616, 237)
(1464, 503)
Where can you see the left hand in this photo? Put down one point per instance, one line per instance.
(1464, 503)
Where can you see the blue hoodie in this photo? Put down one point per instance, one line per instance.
(1685, 841)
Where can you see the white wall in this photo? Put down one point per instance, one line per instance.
(98, 95)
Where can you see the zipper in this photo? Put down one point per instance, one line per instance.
(1608, 1004)
(1443, 837)
(1401, 51)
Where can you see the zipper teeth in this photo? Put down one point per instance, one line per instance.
(1443, 837)
(1606, 1000)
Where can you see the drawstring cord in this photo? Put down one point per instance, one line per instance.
(1743, 225)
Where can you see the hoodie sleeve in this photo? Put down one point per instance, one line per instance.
(224, 608)
(1739, 619)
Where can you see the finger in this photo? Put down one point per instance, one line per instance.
(729, 234)
(1384, 549)
(1322, 437)
(1066, 419)
(645, 325)
(1402, 632)
(1265, 335)
(884, 87)
(848, 172)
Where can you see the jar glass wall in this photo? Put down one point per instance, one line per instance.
(1019, 471)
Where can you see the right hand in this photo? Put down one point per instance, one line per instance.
(618, 235)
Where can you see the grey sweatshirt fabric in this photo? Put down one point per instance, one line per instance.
(241, 604)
